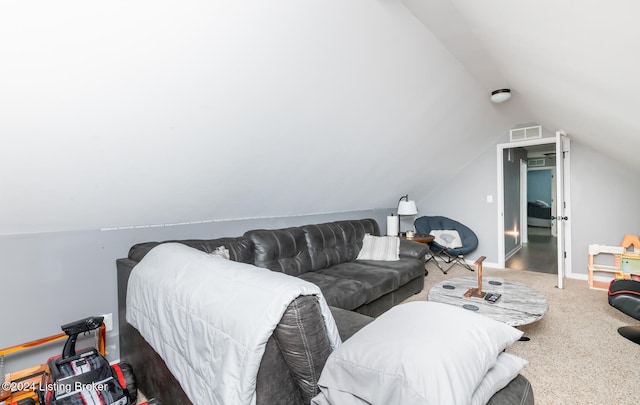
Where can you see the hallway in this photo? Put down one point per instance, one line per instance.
(540, 254)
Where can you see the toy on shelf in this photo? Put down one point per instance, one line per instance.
(631, 240)
(630, 260)
(595, 250)
(626, 262)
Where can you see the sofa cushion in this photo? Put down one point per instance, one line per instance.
(405, 270)
(354, 232)
(338, 292)
(411, 249)
(283, 250)
(377, 280)
(349, 322)
(327, 245)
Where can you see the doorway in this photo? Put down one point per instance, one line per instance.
(534, 247)
(538, 250)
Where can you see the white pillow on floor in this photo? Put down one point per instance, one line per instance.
(506, 369)
(416, 353)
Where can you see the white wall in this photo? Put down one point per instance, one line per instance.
(223, 110)
(464, 198)
(606, 202)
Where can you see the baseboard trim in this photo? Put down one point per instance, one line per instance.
(513, 252)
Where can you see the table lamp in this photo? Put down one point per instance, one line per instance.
(406, 207)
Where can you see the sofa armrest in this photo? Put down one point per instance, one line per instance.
(416, 250)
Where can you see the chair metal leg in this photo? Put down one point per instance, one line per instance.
(631, 332)
(434, 256)
(463, 263)
(453, 260)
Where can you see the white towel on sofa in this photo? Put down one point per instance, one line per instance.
(210, 318)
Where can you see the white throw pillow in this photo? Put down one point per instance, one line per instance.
(385, 248)
(506, 369)
(416, 353)
(447, 238)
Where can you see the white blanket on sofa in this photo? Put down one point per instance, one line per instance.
(210, 318)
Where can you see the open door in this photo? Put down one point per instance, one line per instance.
(561, 196)
(561, 217)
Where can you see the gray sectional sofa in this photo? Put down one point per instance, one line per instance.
(323, 254)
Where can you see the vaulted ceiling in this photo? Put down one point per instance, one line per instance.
(145, 113)
(572, 65)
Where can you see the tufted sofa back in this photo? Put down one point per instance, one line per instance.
(327, 245)
(240, 249)
(354, 232)
(283, 250)
(294, 251)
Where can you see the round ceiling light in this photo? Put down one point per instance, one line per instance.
(500, 95)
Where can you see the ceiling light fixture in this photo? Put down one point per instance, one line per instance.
(500, 95)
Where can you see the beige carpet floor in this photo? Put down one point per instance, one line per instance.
(575, 353)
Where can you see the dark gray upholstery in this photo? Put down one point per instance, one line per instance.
(518, 392)
(327, 245)
(349, 322)
(324, 254)
(303, 340)
(375, 281)
(240, 249)
(295, 354)
(283, 250)
(354, 232)
(339, 292)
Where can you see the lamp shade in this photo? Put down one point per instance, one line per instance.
(407, 208)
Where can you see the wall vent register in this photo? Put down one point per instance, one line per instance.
(536, 162)
(526, 133)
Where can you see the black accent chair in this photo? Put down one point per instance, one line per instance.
(624, 295)
(450, 255)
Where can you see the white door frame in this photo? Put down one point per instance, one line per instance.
(524, 226)
(562, 162)
(563, 206)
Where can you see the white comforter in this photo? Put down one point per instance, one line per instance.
(210, 318)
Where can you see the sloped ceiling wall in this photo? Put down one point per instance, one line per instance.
(572, 64)
(140, 113)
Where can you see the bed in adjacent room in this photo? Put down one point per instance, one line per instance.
(539, 214)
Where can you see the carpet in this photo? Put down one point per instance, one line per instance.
(575, 354)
